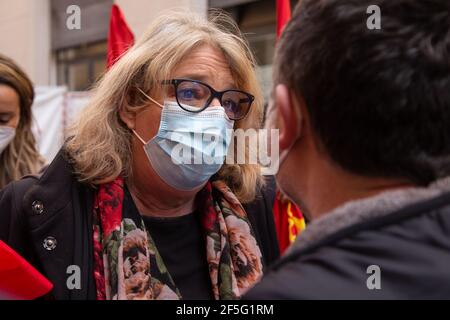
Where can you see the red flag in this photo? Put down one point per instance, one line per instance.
(283, 15)
(120, 37)
(18, 279)
(289, 221)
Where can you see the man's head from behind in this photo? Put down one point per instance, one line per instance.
(360, 103)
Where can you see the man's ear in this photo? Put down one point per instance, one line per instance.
(289, 116)
(129, 118)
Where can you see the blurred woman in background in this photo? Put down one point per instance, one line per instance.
(18, 154)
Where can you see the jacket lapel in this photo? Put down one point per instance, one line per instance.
(57, 211)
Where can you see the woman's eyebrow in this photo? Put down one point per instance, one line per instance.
(198, 77)
(204, 78)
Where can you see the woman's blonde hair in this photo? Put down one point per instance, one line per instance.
(100, 143)
(21, 156)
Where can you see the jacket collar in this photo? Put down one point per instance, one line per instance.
(360, 211)
(64, 214)
(54, 187)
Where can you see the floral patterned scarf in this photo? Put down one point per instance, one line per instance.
(127, 264)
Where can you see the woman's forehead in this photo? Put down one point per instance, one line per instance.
(206, 64)
(9, 99)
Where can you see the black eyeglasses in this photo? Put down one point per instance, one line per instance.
(196, 96)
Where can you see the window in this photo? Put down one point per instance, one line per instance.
(78, 68)
(80, 54)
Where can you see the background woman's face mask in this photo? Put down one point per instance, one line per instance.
(7, 134)
(189, 147)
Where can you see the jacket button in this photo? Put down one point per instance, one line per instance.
(49, 243)
(38, 207)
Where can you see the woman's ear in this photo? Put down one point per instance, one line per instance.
(129, 118)
(289, 116)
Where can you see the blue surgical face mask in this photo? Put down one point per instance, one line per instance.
(7, 134)
(189, 147)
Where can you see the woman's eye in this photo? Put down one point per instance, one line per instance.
(230, 105)
(4, 120)
(189, 94)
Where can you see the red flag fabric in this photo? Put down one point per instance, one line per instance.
(289, 221)
(18, 279)
(120, 37)
(283, 15)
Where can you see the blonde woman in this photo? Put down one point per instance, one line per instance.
(116, 204)
(18, 154)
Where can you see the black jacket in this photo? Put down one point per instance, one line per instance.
(404, 233)
(48, 220)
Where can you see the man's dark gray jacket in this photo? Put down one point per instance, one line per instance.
(395, 245)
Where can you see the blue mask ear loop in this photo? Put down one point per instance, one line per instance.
(151, 99)
(155, 102)
(139, 137)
